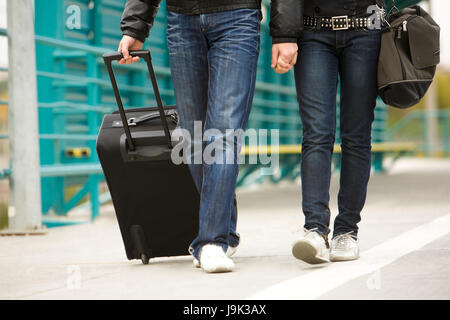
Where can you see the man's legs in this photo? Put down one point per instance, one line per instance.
(190, 72)
(213, 62)
(358, 70)
(233, 39)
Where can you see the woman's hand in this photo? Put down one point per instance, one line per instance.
(127, 44)
(284, 56)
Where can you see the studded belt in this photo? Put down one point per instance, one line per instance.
(342, 22)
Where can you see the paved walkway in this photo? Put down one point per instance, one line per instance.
(404, 238)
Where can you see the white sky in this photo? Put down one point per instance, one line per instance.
(440, 12)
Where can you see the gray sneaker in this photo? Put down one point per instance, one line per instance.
(312, 248)
(344, 247)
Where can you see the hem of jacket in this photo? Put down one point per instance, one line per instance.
(134, 33)
(276, 40)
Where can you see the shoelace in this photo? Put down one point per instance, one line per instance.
(344, 239)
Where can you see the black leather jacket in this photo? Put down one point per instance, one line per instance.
(139, 15)
(286, 16)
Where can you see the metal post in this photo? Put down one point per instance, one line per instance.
(432, 126)
(25, 189)
(445, 131)
(432, 122)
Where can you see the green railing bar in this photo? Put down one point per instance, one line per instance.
(76, 106)
(100, 82)
(71, 45)
(3, 32)
(72, 54)
(112, 4)
(62, 136)
(267, 103)
(280, 118)
(70, 170)
(264, 86)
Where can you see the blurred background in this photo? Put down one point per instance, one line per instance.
(73, 94)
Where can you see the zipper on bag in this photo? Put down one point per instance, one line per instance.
(400, 29)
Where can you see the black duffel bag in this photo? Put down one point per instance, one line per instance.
(408, 57)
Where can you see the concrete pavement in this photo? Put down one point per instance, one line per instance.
(88, 261)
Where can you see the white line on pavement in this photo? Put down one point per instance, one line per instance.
(317, 283)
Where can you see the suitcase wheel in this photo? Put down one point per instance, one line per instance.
(144, 258)
(141, 249)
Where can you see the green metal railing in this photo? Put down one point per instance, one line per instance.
(418, 119)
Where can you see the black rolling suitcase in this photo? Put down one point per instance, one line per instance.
(155, 201)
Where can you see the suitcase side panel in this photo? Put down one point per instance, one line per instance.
(157, 195)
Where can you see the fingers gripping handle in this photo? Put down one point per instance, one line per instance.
(112, 56)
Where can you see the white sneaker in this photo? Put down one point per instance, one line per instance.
(213, 259)
(230, 252)
(312, 248)
(344, 247)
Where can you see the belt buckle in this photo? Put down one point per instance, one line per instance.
(333, 20)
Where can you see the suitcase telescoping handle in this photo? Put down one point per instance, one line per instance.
(144, 54)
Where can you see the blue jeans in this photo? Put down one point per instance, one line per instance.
(213, 60)
(351, 55)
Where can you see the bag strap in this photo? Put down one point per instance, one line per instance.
(145, 54)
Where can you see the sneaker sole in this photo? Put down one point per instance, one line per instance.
(218, 270)
(305, 251)
(340, 258)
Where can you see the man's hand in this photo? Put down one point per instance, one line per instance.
(284, 56)
(126, 44)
